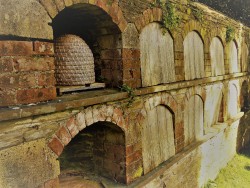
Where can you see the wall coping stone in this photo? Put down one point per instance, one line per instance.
(89, 98)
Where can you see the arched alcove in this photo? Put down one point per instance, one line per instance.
(157, 137)
(157, 56)
(97, 151)
(193, 56)
(217, 57)
(245, 57)
(193, 119)
(213, 110)
(233, 57)
(101, 34)
(244, 98)
(232, 101)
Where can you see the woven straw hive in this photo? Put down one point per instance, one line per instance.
(74, 61)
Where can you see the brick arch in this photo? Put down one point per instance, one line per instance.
(200, 91)
(219, 32)
(196, 26)
(164, 99)
(112, 9)
(148, 16)
(70, 128)
(220, 37)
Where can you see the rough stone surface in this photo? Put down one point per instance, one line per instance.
(25, 18)
(34, 165)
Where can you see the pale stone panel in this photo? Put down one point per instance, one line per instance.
(233, 58)
(26, 18)
(157, 138)
(232, 101)
(245, 53)
(193, 56)
(212, 105)
(217, 57)
(193, 119)
(157, 56)
(27, 165)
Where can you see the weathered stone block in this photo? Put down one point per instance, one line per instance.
(22, 169)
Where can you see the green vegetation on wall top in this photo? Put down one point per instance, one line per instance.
(170, 19)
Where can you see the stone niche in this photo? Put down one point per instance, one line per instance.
(95, 153)
(101, 35)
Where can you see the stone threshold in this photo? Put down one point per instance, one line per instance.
(87, 98)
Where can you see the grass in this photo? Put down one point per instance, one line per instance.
(236, 174)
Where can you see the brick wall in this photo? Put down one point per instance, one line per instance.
(27, 72)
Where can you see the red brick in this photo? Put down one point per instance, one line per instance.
(132, 148)
(134, 157)
(157, 14)
(130, 54)
(119, 16)
(132, 169)
(179, 130)
(123, 25)
(117, 114)
(22, 64)
(147, 16)
(137, 73)
(128, 74)
(26, 96)
(113, 11)
(103, 4)
(16, 48)
(6, 64)
(9, 81)
(46, 79)
(54, 183)
(28, 81)
(72, 127)
(56, 146)
(46, 48)
(7, 97)
(63, 135)
(45, 94)
(127, 63)
(138, 24)
(179, 140)
(35, 95)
